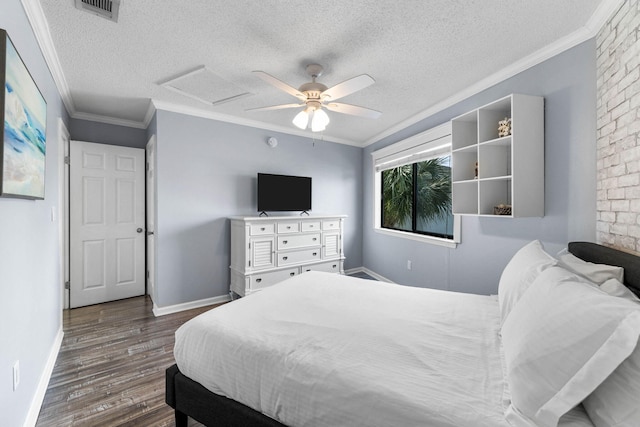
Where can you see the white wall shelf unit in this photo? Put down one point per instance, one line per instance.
(490, 170)
(267, 250)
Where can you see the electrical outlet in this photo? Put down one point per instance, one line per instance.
(16, 375)
(408, 264)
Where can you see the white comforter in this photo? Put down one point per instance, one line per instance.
(328, 350)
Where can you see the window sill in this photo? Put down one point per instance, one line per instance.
(418, 237)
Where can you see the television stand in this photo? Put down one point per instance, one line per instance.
(304, 212)
(263, 213)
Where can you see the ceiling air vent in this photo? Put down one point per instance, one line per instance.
(107, 9)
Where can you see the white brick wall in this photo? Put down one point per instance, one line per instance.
(618, 112)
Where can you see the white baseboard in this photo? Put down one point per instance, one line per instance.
(161, 311)
(369, 272)
(38, 398)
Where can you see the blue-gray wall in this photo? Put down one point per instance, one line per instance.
(31, 303)
(206, 172)
(104, 133)
(567, 82)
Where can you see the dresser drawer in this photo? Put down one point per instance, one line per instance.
(328, 267)
(298, 241)
(263, 280)
(260, 229)
(331, 224)
(297, 257)
(288, 227)
(310, 225)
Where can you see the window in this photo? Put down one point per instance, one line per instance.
(417, 198)
(413, 188)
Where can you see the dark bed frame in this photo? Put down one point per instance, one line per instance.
(190, 399)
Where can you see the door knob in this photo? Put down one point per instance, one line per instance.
(139, 230)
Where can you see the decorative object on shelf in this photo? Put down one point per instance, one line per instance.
(475, 176)
(504, 127)
(502, 209)
(23, 144)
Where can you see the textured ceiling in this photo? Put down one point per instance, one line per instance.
(419, 52)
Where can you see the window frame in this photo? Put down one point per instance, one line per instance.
(433, 143)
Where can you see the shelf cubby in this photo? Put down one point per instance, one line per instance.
(463, 163)
(467, 201)
(465, 128)
(494, 158)
(494, 192)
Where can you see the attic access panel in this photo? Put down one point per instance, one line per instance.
(205, 86)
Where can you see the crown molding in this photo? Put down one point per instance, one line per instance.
(602, 14)
(588, 31)
(206, 114)
(40, 28)
(109, 120)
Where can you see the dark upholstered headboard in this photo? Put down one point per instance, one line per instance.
(593, 252)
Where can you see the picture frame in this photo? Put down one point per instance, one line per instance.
(23, 129)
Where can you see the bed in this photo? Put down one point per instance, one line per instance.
(322, 349)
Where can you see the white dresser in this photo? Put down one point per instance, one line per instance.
(267, 250)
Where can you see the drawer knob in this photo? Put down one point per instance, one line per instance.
(308, 270)
(284, 258)
(315, 238)
(334, 266)
(261, 228)
(315, 253)
(258, 280)
(284, 242)
(288, 227)
(311, 226)
(292, 274)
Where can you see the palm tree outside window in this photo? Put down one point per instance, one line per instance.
(417, 198)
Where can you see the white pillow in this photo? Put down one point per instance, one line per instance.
(597, 273)
(617, 289)
(616, 402)
(520, 272)
(561, 341)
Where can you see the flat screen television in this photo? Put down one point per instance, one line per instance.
(279, 193)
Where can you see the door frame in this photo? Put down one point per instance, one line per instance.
(151, 211)
(63, 210)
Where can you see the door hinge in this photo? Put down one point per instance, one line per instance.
(147, 165)
(249, 263)
(67, 285)
(67, 160)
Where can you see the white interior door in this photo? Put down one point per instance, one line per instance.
(151, 217)
(107, 214)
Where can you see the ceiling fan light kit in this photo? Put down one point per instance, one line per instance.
(320, 121)
(314, 96)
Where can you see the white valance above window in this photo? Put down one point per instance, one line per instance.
(433, 143)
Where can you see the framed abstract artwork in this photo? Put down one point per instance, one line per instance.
(24, 113)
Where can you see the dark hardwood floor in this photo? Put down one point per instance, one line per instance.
(110, 369)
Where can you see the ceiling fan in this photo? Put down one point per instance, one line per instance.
(314, 96)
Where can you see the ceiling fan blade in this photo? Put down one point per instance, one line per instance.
(276, 107)
(348, 87)
(354, 110)
(280, 85)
